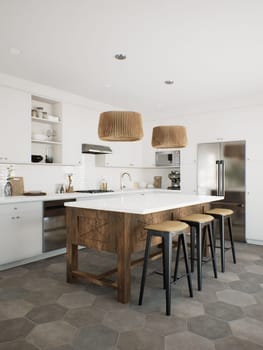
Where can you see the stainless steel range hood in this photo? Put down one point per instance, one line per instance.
(95, 149)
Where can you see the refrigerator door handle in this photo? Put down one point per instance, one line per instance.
(218, 178)
(222, 175)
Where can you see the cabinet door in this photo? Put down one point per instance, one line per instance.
(79, 126)
(124, 154)
(15, 138)
(21, 231)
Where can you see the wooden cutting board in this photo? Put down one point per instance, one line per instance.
(17, 185)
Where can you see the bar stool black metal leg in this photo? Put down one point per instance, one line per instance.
(177, 258)
(192, 243)
(212, 249)
(145, 265)
(231, 239)
(203, 242)
(199, 256)
(188, 273)
(167, 271)
(163, 260)
(222, 242)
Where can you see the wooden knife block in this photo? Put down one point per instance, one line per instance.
(17, 185)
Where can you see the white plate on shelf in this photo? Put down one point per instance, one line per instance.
(39, 137)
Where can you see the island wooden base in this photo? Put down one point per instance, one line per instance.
(119, 233)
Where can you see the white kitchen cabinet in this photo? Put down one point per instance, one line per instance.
(21, 231)
(79, 126)
(15, 129)
(124, 154)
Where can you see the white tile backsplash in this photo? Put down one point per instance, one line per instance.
(43, 177)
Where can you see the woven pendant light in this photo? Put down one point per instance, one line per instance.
(171, 136)
(120, 126)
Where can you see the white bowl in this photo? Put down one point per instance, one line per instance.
(39, 137)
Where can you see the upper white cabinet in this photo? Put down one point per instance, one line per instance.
(15, 129)
(79, 126)
(124, 154)
(46, 132)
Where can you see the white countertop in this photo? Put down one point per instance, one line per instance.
(50, 197)
(143, 202)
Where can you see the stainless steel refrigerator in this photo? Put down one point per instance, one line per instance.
(221, 171)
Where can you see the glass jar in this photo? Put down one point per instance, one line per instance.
(40, 111)
(34, 113)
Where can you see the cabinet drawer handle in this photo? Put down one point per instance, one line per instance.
(18, 217)
(3, 158)
(13, 217)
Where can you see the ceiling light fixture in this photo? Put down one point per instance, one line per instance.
(169, 82)
(120, 57)
(171, 136)
(120, 126)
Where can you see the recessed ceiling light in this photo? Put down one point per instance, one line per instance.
(120, 57)
(15, 51)
(169, 82)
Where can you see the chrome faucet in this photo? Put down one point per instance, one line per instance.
(122, 186)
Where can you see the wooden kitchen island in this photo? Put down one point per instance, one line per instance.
(115, 223)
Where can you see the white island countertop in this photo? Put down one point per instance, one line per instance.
(144, 202)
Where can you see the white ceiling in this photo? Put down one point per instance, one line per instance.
(212, 49)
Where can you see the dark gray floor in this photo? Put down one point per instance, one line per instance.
(39, 310)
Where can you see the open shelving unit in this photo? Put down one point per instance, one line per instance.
(47, 133)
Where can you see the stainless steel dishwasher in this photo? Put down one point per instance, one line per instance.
(54, 224)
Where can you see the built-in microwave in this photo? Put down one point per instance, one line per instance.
(167, 158)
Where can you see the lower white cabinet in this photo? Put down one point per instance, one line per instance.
(20, 231)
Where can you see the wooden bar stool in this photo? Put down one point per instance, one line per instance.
(167, 230)
(221, 214)
(199, 223)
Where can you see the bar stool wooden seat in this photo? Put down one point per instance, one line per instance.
(221, 215)
(198, 223)
(167, 230)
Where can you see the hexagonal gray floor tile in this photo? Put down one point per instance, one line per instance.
(14, 308)
(236, 344)
(12, 293)
(143, 339)
(209, 327)
(248, 329)
(245, 286)
(235, 297)
(40, 284)
(248, 257)
(46, 313)
(224, 311)
(85, 316)
(17, 345)
(76, 299)
(187, 341)
(187, 309)
(257, 269)
(228, 276)
(163, 325)
(50, 334)
(95, 338)
(124, 320)
(14, 329)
